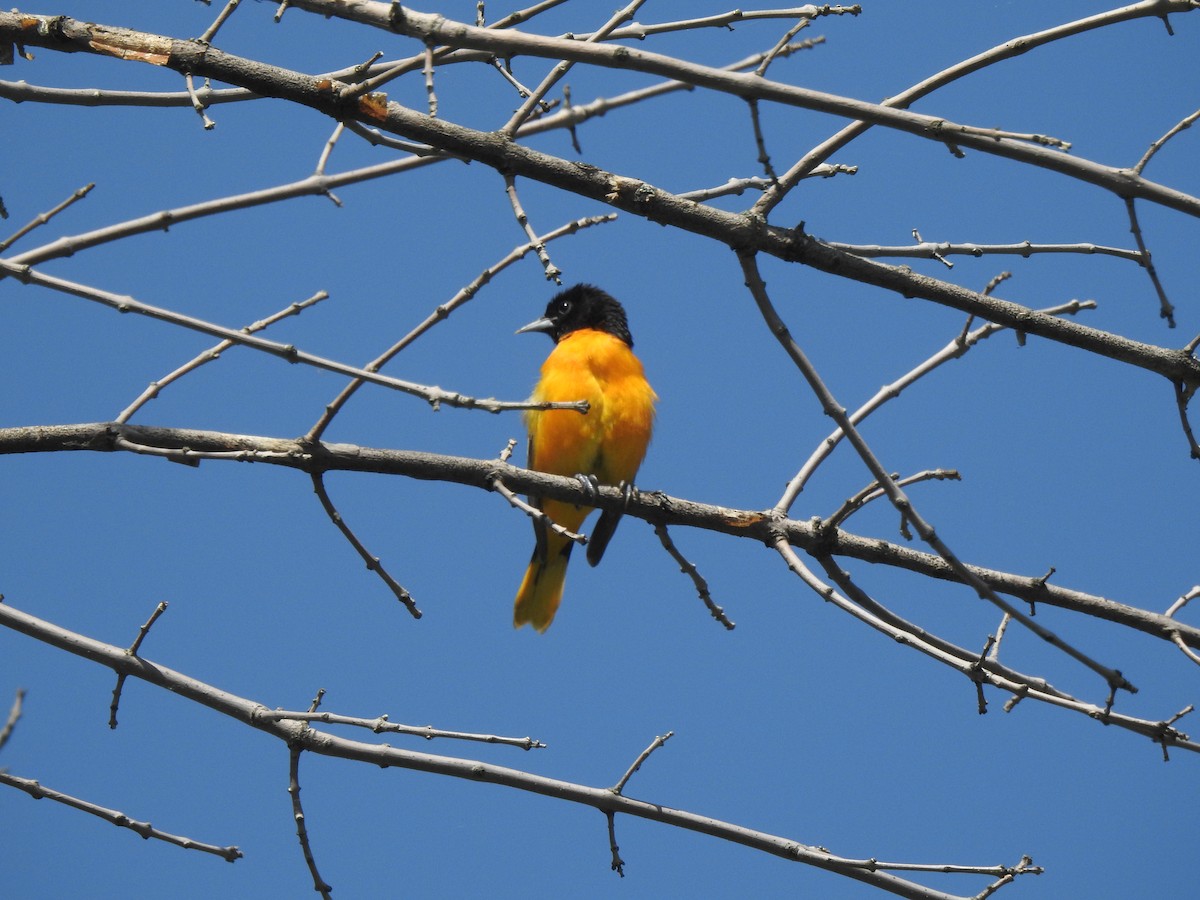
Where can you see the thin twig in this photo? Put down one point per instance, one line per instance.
(132, 651)
(688, 568)
(576, 115)
(779, 45)
(524, 15)
(22, 91)
(394, 70)
(642, 757)
(14, 715)
(1165, 309)
(122, 303)
(443, 311)
(319, 884)
(506, 73)
(873, 492)
(1187, 651)
(1024, 867)
(618, 864)
(155, 387)
(552, 271)
(733, 187)
(561, 68)
(191, 457)
(220, 20)
(323, 159)
(197, 104)
(45, 217)
(534, 513)
(1182, 125)
(995, 282)
(70, 245)
(144, 829)
(871, 613)
(638, 31)
(429, 90)
(940, 249)
(382, 725)
(1183, 601)
(373, 563)
(497, 484)
(764, 158)
(1183, 397)
(739, 186)
(377, 138)
(957, 347)
(994, 653)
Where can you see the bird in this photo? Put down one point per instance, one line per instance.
(592, 360)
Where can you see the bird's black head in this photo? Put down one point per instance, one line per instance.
(582, 306)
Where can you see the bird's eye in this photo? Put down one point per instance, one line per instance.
(564, 307)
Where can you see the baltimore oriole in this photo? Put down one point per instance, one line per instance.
(592, 360)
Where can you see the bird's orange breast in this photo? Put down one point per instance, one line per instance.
(608, 442)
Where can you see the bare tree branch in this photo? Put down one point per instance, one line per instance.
(652, 506)
(738, 231)
(143, 829)
(499, 145)
(300, 737)
(1112, 677)
(435, 396)
(1006, 50)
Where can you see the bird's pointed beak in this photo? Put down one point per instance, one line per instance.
(542, 324)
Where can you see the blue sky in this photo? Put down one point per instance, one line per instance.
(801, 722)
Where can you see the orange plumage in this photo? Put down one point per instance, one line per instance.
(592, 360)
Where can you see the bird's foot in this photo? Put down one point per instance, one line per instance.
(590, 483)
(628, 492)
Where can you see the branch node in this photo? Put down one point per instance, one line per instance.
(131, 652)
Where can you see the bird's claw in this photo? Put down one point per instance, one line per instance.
(590, 483)
(628, 492)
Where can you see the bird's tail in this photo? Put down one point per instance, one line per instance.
(542, 588)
